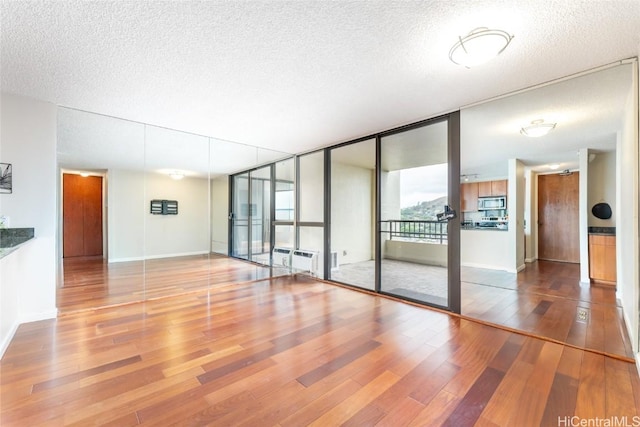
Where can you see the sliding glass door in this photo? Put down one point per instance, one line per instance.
(417, 225)
(353, 202)
(239, 216)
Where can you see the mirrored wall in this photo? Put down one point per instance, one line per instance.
(144, 211)
(527, 255)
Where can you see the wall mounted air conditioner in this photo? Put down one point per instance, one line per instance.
(303, 260)
(281, 257)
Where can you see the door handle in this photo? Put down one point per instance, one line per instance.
(447, 215)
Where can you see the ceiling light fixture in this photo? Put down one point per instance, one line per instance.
(554, 166)
(176, 175)
(537, 128)
(479, 46)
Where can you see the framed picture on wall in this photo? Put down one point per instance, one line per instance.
(6, 181)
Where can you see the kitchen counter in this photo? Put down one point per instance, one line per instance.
(484, 228)
(606, 231)
(12, 238)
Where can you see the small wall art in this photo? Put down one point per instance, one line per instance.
(6, 180)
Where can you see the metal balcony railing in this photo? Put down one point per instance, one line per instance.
(415, 230)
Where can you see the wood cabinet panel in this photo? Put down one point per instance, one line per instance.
(602, 258)
(492, 188)
(499, 188)
(469, 197)
(484, 189)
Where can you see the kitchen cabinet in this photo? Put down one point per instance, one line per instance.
(602, 258)
(484, 189)
(492, 188)
(469, 197)
(499, 188)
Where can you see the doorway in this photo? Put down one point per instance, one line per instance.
(251, 214)
(81, 216)
(558, 217)
(418, 248)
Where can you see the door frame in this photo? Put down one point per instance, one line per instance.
(60, 234)
(453, 228)
(232, 190)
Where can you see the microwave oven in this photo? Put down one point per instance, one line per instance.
(492, 203)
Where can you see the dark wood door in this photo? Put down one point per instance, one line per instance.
(558, 219)
(81, 215)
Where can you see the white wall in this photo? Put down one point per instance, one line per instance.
(516, 204)
(583, 215)
(389, 200)
(418, 252)
(351, 212)
(311, 186)
(125, 215)
(486, 249)
(28, 142)
(188, 232)
(530, 216)
(134, 233)
(627, 228)
(220, 215)
(602, 187)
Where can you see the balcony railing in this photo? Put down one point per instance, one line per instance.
(415, 231)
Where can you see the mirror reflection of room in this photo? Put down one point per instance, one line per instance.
(533, 167)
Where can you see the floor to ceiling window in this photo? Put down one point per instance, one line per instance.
(353, 201)
(309, 255)
(373, 213)
(414, 235)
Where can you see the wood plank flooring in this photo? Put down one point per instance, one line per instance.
(547, 299)
(92, 282)
(292, 351)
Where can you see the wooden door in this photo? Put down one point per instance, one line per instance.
(81, 215)
(558, 219)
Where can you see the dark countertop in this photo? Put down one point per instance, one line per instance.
(609, 231)
(485, 228)
(12, 238)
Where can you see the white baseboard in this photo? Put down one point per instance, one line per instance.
(530, 260)
(7, 340)
(129, 259)
(31, 317)
(487, 266)
(627, 322)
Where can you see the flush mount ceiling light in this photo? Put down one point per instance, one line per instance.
(479, 46)
(554, 166)
(537, 128)
(176, 175)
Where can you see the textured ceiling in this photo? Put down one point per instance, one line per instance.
(292, 76)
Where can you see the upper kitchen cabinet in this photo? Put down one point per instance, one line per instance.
(469, 197)
(492, 188)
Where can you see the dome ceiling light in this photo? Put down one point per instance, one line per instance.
(479, 46)
(537, 128)
(176, 175)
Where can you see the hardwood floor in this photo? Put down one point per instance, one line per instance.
(547, 299)
(88, 283)
(292, 351)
